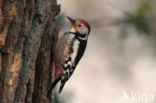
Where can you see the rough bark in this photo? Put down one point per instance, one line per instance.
(28, 32)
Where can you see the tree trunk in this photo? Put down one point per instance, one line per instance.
(28, 32)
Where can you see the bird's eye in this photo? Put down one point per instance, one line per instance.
(79, 25)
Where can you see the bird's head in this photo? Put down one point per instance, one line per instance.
(80, 26)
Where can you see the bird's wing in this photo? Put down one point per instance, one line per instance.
(63, 48)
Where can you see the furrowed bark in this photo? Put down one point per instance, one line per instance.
(27, 33)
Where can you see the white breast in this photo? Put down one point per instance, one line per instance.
(75, 50)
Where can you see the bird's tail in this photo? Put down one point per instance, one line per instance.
(61, 86)
(53, 85)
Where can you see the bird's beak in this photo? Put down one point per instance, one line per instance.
(71, 20)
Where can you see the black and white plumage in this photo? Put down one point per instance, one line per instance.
(69, 50)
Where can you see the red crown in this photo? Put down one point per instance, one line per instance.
(85, 23)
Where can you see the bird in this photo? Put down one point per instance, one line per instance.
(68, 51)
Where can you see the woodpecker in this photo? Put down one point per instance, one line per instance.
(69, 50)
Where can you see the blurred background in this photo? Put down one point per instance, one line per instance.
(119, 65)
